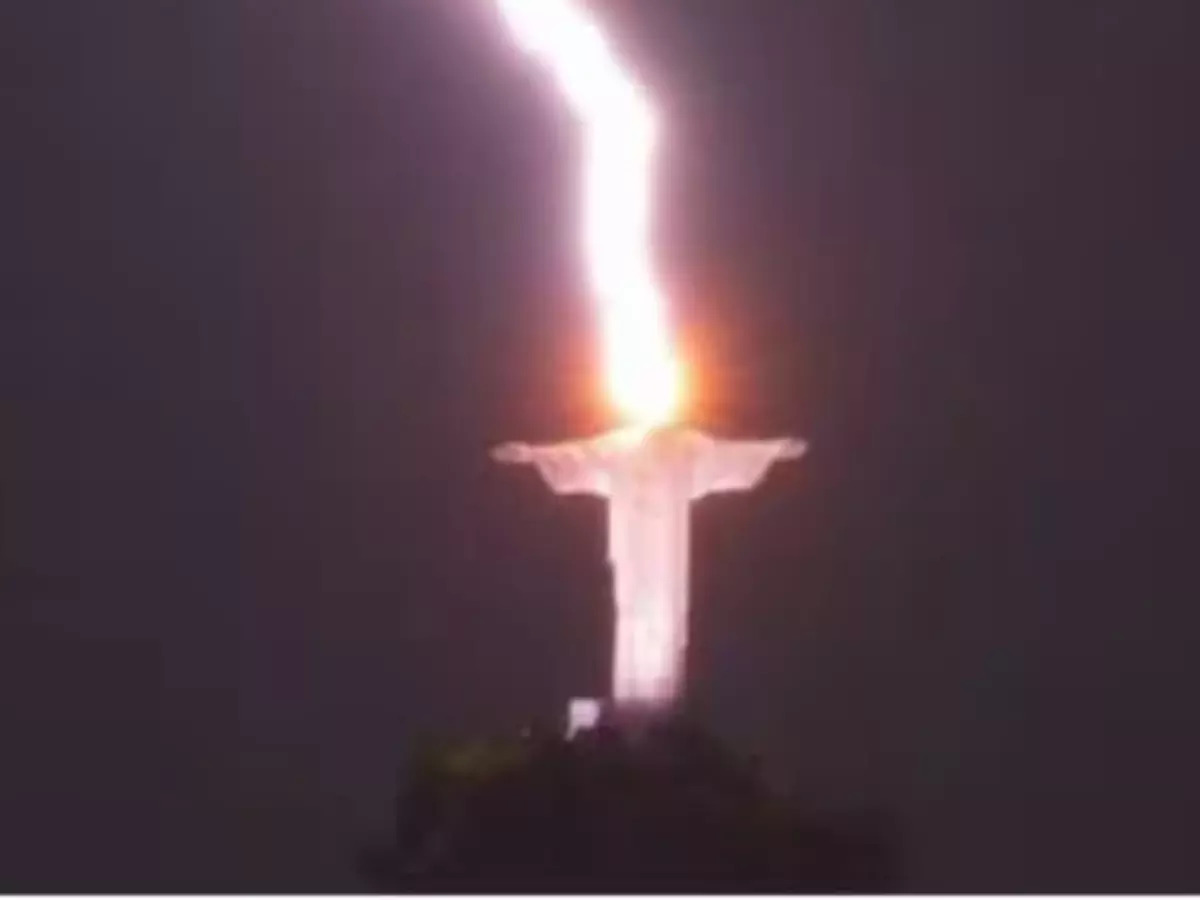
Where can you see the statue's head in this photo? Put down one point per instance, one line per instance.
(661, 435)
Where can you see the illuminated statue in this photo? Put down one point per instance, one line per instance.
(650, 479)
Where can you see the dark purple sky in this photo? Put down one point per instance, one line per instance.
(285, 269)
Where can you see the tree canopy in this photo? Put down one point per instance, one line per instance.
(668, 809)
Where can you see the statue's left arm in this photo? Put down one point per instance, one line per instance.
(740, 465)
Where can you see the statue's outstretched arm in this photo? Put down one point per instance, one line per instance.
(740, 465)
(575, 467)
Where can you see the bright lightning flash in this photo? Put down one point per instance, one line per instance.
(620, 131)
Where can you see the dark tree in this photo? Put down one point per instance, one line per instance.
(669, 809)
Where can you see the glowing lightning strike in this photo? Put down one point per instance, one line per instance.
(620, 132)
(651, 472)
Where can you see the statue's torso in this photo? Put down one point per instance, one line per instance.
(649, 500)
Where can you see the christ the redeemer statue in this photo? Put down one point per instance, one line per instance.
(650, 478)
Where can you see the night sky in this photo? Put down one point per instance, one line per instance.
(283, 270)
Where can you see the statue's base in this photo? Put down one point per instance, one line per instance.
(586, 714)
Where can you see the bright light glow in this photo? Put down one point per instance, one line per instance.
(583, 713)
(620, 131)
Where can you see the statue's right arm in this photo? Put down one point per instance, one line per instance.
(574, 467)
(513, 452)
